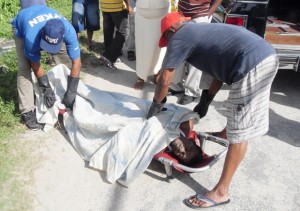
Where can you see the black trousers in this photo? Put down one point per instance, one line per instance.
(116, 31)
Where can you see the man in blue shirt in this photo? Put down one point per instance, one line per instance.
(231, 55)
(36, 28)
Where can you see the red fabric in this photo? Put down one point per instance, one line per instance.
(167, 22)
(62, 111)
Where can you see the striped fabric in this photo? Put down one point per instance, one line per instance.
(112, 5)
(248, 102)
(194, 8)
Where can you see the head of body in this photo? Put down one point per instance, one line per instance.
(52, 36)
(186, 150)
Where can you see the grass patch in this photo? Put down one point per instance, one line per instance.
(17, 159)
(11, 152)
(14, 161)
(8, 94)
(10, 8)
(64, 7)
(15, 156)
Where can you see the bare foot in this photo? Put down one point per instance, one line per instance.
(209, 199)
(139, 84)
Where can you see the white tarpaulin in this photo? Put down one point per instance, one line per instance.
(110, 130)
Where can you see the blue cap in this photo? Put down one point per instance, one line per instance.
(28, 3)
(52, 36)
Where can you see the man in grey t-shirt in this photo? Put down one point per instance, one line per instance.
(231, 55)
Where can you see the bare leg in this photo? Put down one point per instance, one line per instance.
(220, 193)
(89, 37)
(78, 36)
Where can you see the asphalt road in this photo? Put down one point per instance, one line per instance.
(267, 179)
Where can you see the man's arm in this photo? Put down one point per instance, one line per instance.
(163, 84)
(73, 80)
(161, 90)
(49, 96)
(207, 96)
(37, 69)
(76, 66)
(214, 7)
(128, 6)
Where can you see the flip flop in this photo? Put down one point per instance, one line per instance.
(204, 199)
(139, 84)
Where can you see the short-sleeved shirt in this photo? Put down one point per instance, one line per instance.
(29, 23)
(226, 52)
(194, 8)
(112, 5)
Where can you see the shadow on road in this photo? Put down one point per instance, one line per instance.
(286, 89)
(185, 178)
(284, 129)
(285, 92)
(284, 104)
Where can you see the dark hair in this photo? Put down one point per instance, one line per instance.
(194, 161)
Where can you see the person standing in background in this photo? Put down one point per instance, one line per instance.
(115, 16)
(130, 42)
(200, 11)
(147, 32)
(85, 15)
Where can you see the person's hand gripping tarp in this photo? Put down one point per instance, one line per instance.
(49, 96)
(70, 94)
(156, 108)
(202, 107)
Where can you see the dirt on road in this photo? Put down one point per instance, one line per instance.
(268, 178)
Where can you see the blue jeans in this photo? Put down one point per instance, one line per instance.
(114, 43)
(130, 42)
(86, 16)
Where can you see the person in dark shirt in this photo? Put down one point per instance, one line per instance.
(231, 55)
(199, 11)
